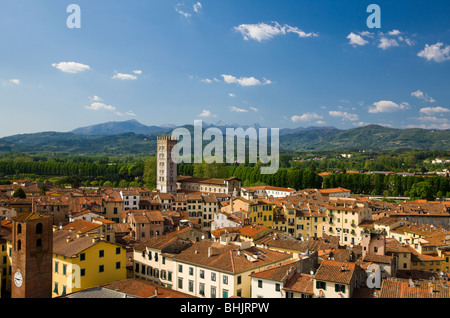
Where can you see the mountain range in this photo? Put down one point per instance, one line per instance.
(132, 137)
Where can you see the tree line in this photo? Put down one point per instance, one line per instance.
(417, 187)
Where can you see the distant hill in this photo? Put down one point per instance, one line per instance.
(117, 139)
(116, 128)
(371, 137)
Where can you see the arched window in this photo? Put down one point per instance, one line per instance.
(19, 228)
(39, 245)
(39, 228)
(19, 245)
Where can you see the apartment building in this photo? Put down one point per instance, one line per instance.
(214, 270)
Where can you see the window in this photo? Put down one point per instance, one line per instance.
(56, 267)
(64, 290)
(339, 288)
(149, 255)
(82, 257)
(39, 228)
(321, 285)
(225, 280)
(191, 271)
(55, 289)
(277, 287)
(64, 269)
(213, 292)
(101, 253)
(191, 286)
(117, 265)
(180, 268)
(202, 273)
(19, 228)
(156, 257)
(180, 283)
(201, 290)
(225, 293)
(239, 280)
(260, 283)
(213, 277)
(83, 272)
(101, 268)
(118, 250)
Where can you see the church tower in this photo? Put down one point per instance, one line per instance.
(166, 181)
(32, 256)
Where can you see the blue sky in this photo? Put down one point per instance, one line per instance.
(277, 63)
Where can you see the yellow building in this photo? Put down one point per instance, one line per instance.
(5, 258)
(81, 262)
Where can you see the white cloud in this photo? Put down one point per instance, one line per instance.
(237, 110)
(97, 104)
(361, 123)
(95, 98)
(10, 82)
(432, 122)
(71, 67)
(356, 39)
(320, 122)
(100, 106)
(386, 43)
(394, 32)
(385, 40)
(434, 110)
(263, 31)
(305, 117)
(419, 94)
(245, 81)
(254, 109)
(138, 72)
(123, 76)
(206, 80)
(385, 106)
(232, 95)
(183, 13)
(206, 113)
(437, 52)
(343, 115)
(197, 6)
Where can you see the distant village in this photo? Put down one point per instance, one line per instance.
(213, 238)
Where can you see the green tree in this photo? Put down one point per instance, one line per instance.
(19, 193)
(421, 191)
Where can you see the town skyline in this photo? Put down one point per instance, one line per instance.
(281, 65)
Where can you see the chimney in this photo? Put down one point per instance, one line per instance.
(209, 251)
(343, 268)
(68, 239)
(156, 291)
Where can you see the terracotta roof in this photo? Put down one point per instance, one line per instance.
(404, 288)
(300, 283)
(82, 226)
(143, 288)
(331, 271)
(158, 242)
(72, 248)
(334, 190)
(278, 272)
(228, 258)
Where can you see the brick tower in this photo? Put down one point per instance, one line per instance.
(166, 181)
(32, 255)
